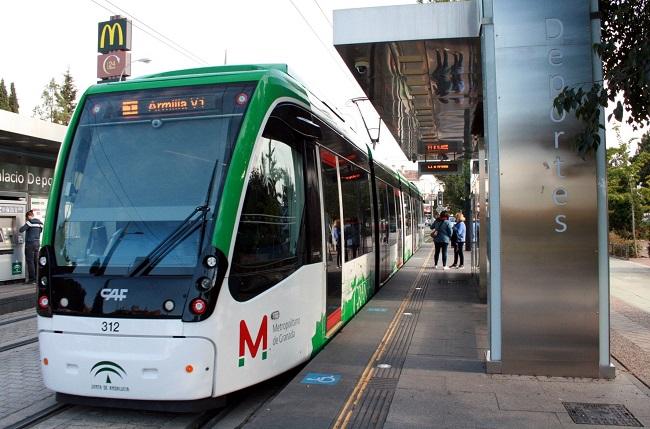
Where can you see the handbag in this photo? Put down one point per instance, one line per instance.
(434, 227)
(454, 237)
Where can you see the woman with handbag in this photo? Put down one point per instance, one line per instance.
(458, 241)
(441, 233)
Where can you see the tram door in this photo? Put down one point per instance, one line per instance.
(334, 236)
(384, 231)
(398, 223)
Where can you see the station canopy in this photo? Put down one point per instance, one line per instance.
(24, 136)
(420, 66)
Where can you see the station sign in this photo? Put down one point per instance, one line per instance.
(25, 178)
(438, 147)
(114, 35)
(439, 167)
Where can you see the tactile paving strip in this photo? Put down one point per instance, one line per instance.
(371, 408)
(601, 414)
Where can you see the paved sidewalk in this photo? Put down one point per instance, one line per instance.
(436, 377)
(630, 316)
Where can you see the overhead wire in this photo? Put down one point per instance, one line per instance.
(324, 14)
(161, 38)
(327, 47)
(156, 31)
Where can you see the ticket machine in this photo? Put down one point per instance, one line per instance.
(12, 243)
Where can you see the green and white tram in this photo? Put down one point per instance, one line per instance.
(209, 229)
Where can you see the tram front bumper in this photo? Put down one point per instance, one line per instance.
(141, 368)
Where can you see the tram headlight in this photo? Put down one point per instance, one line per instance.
(210, 261)
(43, 302)
(64, 302)
(44, 281)
(198, 306)
(204, 283)
(169, 305)
(42, 261)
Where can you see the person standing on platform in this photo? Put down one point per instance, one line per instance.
(441, 232)
(32, 229)
(459, 234)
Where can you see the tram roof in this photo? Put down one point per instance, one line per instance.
(250, 72)
(236, 73)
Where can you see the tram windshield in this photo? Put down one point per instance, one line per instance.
(139, 164)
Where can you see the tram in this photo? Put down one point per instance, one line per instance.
(207, 230)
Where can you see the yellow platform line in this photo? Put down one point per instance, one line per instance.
(346, 412)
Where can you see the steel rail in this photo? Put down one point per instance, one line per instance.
(17, 319)
(39, 416)
(17, 344)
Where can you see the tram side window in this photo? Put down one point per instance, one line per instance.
(355, 190)
(270, 242)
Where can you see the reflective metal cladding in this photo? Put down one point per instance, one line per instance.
(425, 90)
(548, 193)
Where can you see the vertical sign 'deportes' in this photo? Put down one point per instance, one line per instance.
(548, 193)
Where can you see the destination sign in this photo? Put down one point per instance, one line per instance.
(164, 105)
(439, 167)
(216, 100)
(438, 147)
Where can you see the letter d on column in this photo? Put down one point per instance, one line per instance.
(554, 29)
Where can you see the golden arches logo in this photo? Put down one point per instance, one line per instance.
(111, 29)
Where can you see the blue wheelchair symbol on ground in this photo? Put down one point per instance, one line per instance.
(376, 309)
(316, 378)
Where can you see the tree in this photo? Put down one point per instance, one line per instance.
(58, 101)
(66, 99)
(48, 109)
(4, 98)
(628, 191)
(644, 167)
(625, 52)
(13, 99)
(456, 188)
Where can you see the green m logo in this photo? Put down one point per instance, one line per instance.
(108, 367)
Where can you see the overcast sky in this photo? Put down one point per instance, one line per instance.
(42, 38)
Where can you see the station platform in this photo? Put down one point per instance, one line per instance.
(17, 297)
(414, 357)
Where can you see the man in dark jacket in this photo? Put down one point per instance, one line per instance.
(32, 229)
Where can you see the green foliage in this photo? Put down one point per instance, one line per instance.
(58, 101)
(66, 98)
(4, 98)
(628, 189)
(13, 99)
(625, 52)
(457, 195)
(641, 157)
(48, 109)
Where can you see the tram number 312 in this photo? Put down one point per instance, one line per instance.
(110, 326)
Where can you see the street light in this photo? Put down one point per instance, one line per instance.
(139, 60)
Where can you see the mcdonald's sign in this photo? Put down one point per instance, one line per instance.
(114, 35)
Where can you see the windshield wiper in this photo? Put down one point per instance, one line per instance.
(182, 231)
